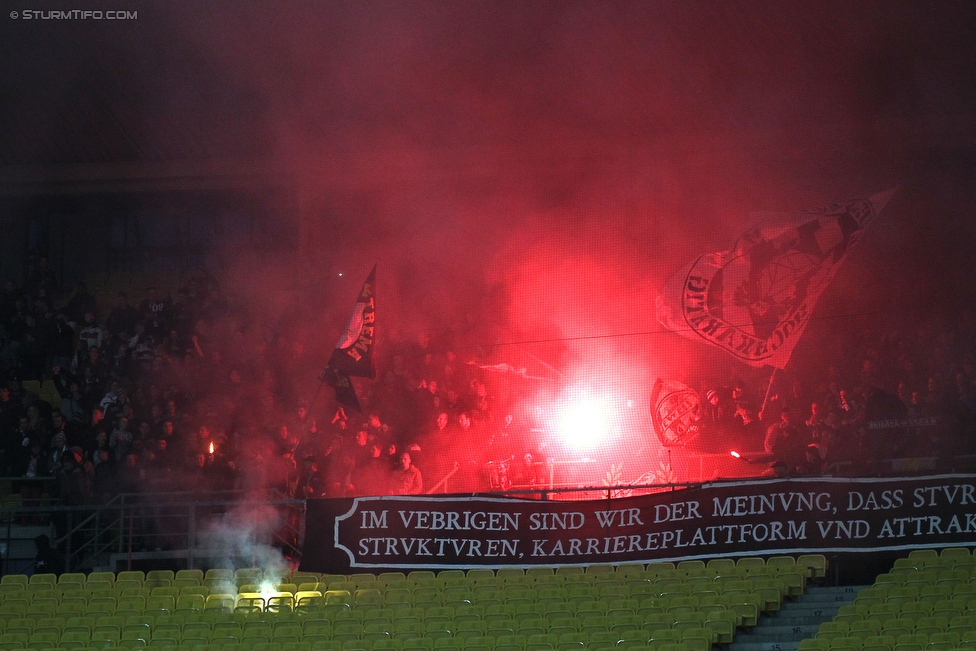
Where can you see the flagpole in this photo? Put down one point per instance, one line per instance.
(536, 358)
(308, 415)
(318, 389)
(769, 391)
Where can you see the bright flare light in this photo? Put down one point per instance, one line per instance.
(582, 420)
(268, 590)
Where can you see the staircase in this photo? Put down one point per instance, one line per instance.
(795, 620)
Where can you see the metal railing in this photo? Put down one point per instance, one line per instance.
(132, 526)
(247, 530)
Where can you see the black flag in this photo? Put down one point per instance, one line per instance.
(345, 392)
(353, 354)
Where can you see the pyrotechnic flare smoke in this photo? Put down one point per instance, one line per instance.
(245, 534)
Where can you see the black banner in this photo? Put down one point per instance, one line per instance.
(783, 516)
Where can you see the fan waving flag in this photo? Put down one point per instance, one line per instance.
(755, 300)
(345, 392)
(353, 354)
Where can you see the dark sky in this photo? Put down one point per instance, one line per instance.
(529, 82)
(562, 157)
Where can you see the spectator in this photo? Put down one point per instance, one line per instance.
(123, 318)
(785, 441)
(71, 400)
(310, 483)
(96, 426)
(155, 313)
(120, 441)
(113, 401)
(75, 483)
(81, 304)
(58, 450)
(63, 340)
(101, 451)
(105, 479)
(813, 463)
(410, 481)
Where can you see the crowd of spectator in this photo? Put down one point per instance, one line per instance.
(904, 393)
(194, 392)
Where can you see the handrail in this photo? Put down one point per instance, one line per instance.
(86, 535)
(443, 481)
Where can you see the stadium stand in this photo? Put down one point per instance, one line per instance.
(924, 603)
(668, 607)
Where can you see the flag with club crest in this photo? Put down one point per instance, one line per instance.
(755, 300)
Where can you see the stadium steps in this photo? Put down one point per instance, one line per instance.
(795, 620)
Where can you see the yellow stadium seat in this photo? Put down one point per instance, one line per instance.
(15, 638)
(190, 602)
(750, 564)
(813, 644)
(72, 579)
(876, 644)
(44, 607)
(106, 633)
(722, 623)
(219, 602)
(909, 646)
(305, 594)
(131, 575)
(218, 574)
(685, 566)
(19, 580)
(780, 561)
(913, 638)
(44, 639)
(674, 646)
(137, 637)
(163, 575)
(106, 577)
(161, 603)
(246, 575)
(14, 606)
(845, 644)
(477, 574)
(816, 565)
(924, 555)
(280, 602)
(49, 580)
(196, 575)
(276, 575)
(309, 577)
(721, 565)
(250, 600)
